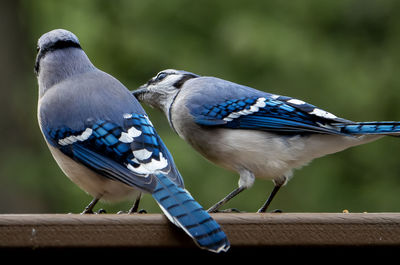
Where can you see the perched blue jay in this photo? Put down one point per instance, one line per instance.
(254, 133)
(104, 142)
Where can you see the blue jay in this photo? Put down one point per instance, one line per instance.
(254, 133)
(104, 142)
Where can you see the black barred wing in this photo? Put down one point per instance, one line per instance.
(132, 153)
(270, 113)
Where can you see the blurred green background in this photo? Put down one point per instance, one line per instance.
(343, 56)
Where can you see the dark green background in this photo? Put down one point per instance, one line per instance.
(343, 56)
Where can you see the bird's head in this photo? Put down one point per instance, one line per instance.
(54, 40)
(161, 90)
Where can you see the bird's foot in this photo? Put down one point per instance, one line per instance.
(273, 211)
(141, 211)
(90, 211)
(100, 211)
(87, 211)
(230, 210)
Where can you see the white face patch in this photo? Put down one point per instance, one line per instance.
(168, 82)
(260, 103)
(72, 139)
(322, 113)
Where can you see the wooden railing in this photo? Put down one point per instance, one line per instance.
(36, 231)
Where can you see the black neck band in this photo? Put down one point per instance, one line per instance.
(61, 44)
(186, 77)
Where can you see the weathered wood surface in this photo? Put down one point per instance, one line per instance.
(243, 230)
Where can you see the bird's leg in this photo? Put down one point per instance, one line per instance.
(270, 197)
(135, 205)
(218, 205)
(246, 180)
(89, 208)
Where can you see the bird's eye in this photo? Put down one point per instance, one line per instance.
(37, 49)
(161, 76)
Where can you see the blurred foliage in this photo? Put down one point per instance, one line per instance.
(348, 50)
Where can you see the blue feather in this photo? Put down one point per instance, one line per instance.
(106, 154)
(276, 115)
(184, 211)
(112, 170)
(285, 115)
(374, 127)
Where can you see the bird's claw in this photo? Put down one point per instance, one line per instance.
(141, 211)
(230, 210)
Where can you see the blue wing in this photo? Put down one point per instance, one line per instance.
(132, 153)
(220, 103)
(135, 155)
(270, 113)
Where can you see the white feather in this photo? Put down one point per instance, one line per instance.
(157, 165)
(296, 101)
(149, 121)
(142, 154)
(85, 135)
(234, 115)
(133, 132)
(72, 138)
(254, 109)
(260, 103)
(127, 116)
(125, 138)
(141, 170)
(323, 114)
(153, 167)
(245, 112)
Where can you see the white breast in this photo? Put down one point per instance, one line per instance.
(266, 155)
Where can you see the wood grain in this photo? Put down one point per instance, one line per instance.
(243, 230)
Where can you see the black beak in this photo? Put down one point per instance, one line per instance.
(140, 91)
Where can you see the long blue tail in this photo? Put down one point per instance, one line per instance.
(374, 127)
(180, 207)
